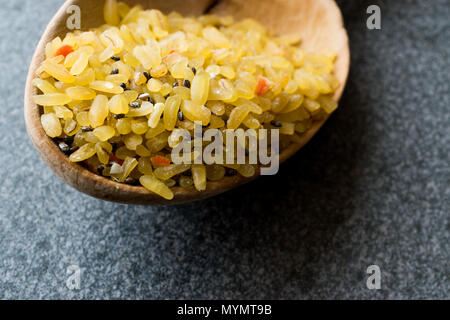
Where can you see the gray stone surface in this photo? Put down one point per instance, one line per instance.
(371, 188)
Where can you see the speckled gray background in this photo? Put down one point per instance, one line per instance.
(371, 188)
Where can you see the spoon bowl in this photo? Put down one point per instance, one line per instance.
(319, 22)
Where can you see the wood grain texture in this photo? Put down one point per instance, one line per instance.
(319, 22)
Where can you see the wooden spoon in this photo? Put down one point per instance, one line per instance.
(319, 22)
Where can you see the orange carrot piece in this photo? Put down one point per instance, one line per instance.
(160, 161)
(64, 51)
(262, 86)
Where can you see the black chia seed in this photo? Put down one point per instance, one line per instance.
(147, 75)
(87, 129)
(181, 116)
(64, 147)
(186, 83)
(135, 104)
(277, 124)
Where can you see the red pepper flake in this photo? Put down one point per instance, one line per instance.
(113, 158)
(262, 86)
(160, 161)
(171, 51)
(64, 51)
